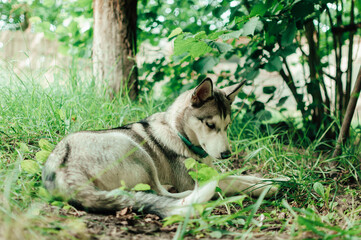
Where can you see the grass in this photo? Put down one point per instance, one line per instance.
(318, 202)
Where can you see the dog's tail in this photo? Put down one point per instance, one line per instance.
(104, 201)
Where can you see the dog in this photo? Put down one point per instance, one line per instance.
(92, 169)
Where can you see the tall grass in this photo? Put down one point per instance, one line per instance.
(31, 109)
(318, 201)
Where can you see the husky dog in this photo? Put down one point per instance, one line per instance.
(89, 168)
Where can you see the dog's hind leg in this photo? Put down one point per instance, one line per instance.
(251, 185)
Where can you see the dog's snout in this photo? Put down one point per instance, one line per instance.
(225, 154)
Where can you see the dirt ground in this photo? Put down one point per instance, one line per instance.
(126, 224)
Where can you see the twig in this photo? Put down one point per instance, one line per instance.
(346, 28)
(329, 75)
(348, 116)
(291, 84)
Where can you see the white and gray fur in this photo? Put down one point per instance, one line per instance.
(89, 167)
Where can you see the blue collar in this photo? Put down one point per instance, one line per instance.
(197, 150)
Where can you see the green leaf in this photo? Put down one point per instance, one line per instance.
(200, 35)
(215, 234)
(204, 174)
(45, 145)
(189, 163)
(220, 47)
(274, 64)
(289, 35)
(269, 89)
(199, 49)
(288, 50)
(239, 221)
(182, 45)
(24, 148)
(302, 9)
(205, 64)
(230, 35)
(42, 156)
(282, 101)
(270, 38)
(173, 219)
(175, 32)
(57, 204)
(217, 34)
(250, 75)
(30, 166)
(319, 189)
(218, 11)
(44, 194)
(264, 115)
(250, 26)
(258, 9)
(141, 187)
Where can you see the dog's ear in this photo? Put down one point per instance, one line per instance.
(202, 92)
(232, 91)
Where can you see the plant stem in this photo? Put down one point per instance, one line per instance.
(348, 116)
(314, 62)
(291, 84)
(350, 49)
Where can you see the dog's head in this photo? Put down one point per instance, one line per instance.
(209, 116)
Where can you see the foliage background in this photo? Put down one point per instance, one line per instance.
(207, 32)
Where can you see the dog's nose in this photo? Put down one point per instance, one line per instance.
(225, 154)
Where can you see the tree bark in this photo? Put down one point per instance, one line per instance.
(348, 116)
(114, 45)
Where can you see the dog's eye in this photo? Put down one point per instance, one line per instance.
(211, 125)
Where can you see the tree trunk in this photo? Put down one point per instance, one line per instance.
(114, 45)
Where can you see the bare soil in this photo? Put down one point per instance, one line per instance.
(126, 224)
